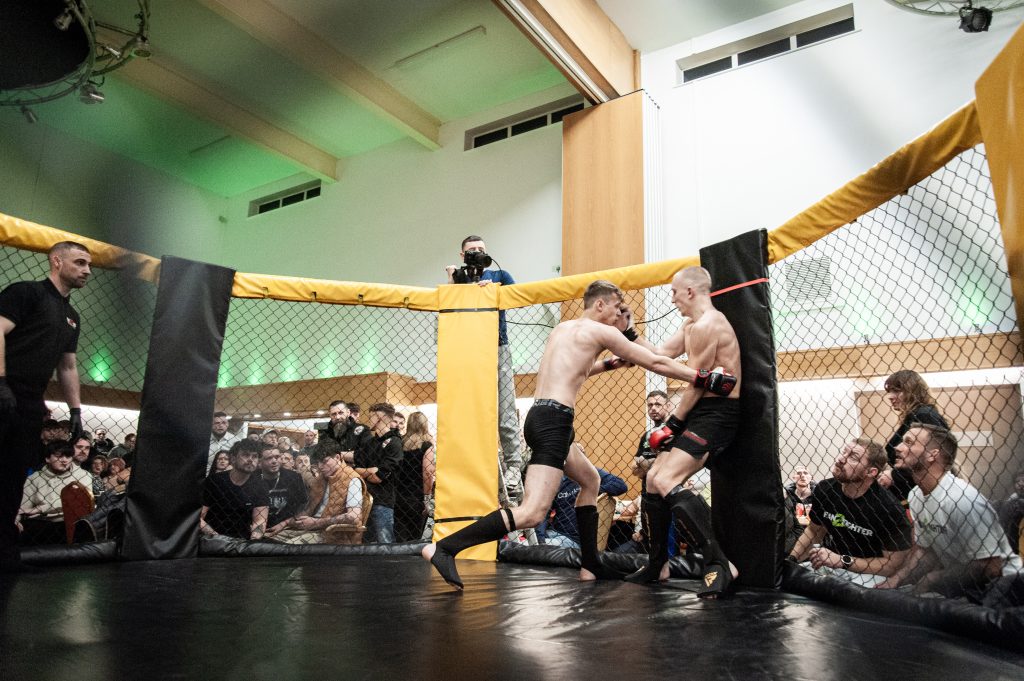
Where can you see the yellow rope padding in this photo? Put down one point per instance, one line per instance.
(340, 292)
(900, 171)
(894, 175)
(29, 236)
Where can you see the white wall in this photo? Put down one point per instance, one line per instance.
(399, 213)
(753, 146)
(58, 180)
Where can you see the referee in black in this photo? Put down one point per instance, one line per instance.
(39, 335)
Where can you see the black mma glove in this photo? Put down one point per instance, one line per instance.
(8, 402)
(714, 382)
(76, 423)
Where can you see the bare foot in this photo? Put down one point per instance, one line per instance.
(664, 574)
(428, 552)
(586, 575)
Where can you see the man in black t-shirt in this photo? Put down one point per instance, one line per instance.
(38, 334)
(235, 502)
(377, 465)
(286, 490)
(858, 531)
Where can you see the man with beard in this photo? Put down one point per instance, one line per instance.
(960, 548)
(858, 531)
(350, 435)
(235, 502)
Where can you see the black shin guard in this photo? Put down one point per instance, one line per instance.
(695, 515)
(658, 516)
(675, 425)
(590, 558)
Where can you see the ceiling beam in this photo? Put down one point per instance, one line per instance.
(582, 42)
(270, 26)
(162, 79)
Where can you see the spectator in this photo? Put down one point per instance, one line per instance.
(102, 444)
(41, 518)
(118, 474)
(63, 431)
(308, 442)
(377, 464)
(49, 431)
(125, 450)
(285, 489)
(336, 498)
(354, 410)
(857, 532)
(659, 406)
(960, 546)
(798, 494)
(414, 479)
(235, 502)
(351, 436)
(398, 425)
(221, 461)
(82, 450)
(98, 469)
(269, 437)
(221, 437)
(910, 397)
(561, 529)
(1011, 512)
(287, 458)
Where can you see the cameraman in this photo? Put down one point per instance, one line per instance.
(474, 255)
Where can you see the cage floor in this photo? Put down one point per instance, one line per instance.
(390, 617)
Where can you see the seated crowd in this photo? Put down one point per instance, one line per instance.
(349, 483)
(891, 516)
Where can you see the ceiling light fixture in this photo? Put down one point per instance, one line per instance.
(80, 56)
(90, 94)
(974, 19)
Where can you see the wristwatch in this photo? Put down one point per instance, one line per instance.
(846, 560)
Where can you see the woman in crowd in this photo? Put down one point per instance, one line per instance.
(98, 468)
(910, 397)
(414, 479)
(221, 462)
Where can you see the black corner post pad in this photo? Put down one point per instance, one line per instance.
(178, 393)
(748, 510)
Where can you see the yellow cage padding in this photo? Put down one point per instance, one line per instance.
(467, 410)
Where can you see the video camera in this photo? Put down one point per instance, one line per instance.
(476, 263)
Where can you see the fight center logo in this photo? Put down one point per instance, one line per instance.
(71, 322)
(710, 578)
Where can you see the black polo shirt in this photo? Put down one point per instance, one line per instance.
(45, 327)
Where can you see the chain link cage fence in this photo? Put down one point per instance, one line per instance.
(75, 492)
(325, 425)
(899, 359)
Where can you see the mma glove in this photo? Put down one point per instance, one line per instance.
(7, 400)
(76, 423)
(714, 382)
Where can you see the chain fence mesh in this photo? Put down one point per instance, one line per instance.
(75, 492)
(338, 405)
(326, 414)
(904, 317)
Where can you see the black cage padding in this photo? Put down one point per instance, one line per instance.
(231, 547)
(165, 489)
(748, 508)
(74, 554)
(1004, 626)
(621, 564)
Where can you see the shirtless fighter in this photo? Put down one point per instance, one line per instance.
(703, 423)
(570, 356)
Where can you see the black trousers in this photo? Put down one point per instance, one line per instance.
(20, 449)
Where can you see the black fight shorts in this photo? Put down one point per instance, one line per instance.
(710, 427)
(548, 431)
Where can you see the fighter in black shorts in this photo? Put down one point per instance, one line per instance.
(701, 426)
(570, 356)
